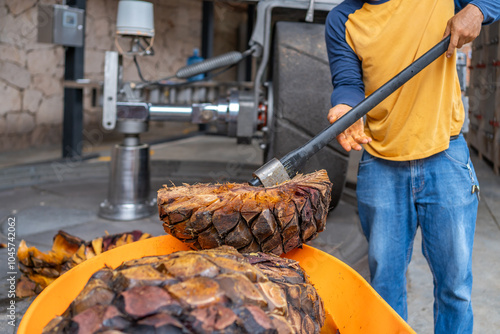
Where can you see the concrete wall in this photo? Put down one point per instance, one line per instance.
(31, 73)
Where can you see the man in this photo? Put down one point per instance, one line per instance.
(415, 170)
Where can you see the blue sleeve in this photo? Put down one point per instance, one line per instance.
(345, 66)
(489, 8)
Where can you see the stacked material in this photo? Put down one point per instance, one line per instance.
(483, 94)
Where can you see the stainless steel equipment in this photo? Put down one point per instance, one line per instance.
(246, 112)
(129, 183)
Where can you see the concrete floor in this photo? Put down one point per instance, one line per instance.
(46, 197)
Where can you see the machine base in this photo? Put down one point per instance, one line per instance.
(127, 212)
(128, 192)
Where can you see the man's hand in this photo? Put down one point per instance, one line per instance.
(464, 27)
(354, 135)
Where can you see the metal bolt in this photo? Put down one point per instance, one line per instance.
(207, 115)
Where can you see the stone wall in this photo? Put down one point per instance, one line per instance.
(31, 73)
(30, 79)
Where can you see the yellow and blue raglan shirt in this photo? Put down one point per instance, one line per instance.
(369, 42)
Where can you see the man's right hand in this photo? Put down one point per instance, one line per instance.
(464, 27)
(354, 136)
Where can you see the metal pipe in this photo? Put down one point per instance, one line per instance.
(250, 26)
(226, 59)
(170, 113)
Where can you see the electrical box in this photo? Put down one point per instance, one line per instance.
(60, 24)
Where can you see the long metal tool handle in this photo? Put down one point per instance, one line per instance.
(294, 161)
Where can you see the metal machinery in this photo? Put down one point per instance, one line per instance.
(283, 106)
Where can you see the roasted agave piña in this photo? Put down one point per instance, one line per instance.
(209, 291)
(40, 269)
(272, 220)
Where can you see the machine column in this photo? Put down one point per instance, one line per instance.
(129, 180)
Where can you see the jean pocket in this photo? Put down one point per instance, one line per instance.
(366, 158)
(458, 153)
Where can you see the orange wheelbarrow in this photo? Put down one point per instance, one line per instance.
(351, 304)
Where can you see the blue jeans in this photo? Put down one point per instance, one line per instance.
(435, 193)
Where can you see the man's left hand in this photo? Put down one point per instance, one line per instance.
(464, 27)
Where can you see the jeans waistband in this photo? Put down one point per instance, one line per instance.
(455, 137)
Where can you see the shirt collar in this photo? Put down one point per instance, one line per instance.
(374, 2)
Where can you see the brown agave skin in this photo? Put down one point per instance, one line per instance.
(40, 269)
(209, 291)
(250, 219)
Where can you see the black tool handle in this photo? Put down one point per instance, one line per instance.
(295, 160)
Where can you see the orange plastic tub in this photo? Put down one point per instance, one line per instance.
(350, 302)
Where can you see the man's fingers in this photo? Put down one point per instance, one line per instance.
(354, 144)
(336, 112)
(349, 142)
(461, 42)
(453, 45)
(342, 139)
(447, 31)
(357, 138)
(353, 136)
(361, 139)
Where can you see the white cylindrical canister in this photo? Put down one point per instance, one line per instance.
(135, 18)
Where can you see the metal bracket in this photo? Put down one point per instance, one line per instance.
(272, 173)
(246, 120)
(110, 90)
